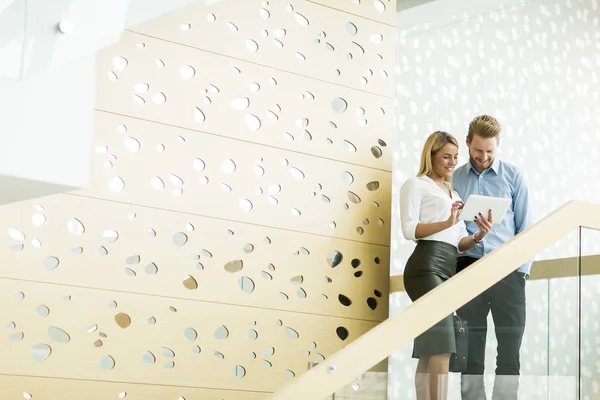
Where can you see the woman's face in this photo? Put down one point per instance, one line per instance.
(445, 160)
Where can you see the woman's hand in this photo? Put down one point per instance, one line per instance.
(484, 224)
(457, 207)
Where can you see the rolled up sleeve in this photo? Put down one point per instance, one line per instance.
(410, 206)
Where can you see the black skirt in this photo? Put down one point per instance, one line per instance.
(429, 266)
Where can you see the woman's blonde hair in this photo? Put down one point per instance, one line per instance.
(434, 143)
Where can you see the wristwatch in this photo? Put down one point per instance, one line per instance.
(475, 239)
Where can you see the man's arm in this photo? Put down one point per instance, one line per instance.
(522, 207)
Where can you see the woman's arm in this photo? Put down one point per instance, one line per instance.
(425, 230)
(410, 207)
(484, 224)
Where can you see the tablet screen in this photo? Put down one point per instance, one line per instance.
(482, 204)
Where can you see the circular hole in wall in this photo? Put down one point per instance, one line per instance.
(246, 284)
(339, 105)
(342, 332)
(334, 258)
(344, 300)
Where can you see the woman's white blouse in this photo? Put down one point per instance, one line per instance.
(423, 201)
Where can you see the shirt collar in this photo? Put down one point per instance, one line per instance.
(494, 167)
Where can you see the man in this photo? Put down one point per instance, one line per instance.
(484, 174)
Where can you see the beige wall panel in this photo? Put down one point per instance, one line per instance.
(317, 50)
(379, 10)
(124, 333)
(140, 262)
(122, 292)
(272, 181)
(18, 387)
(221, 101)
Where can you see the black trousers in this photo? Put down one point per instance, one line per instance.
(506, 301)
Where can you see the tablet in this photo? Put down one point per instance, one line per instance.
(481, 204)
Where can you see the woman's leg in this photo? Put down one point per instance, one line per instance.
(422, 379)
(438, 376)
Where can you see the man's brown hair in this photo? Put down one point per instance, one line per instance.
(484, 126)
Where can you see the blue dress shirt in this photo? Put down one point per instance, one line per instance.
(501, 179)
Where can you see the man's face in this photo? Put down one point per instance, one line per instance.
(482, 152)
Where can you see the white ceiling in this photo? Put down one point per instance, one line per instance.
(406, 4)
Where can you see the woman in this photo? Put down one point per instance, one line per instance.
(429, 211)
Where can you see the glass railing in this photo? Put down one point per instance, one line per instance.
(589, 316)
(548, 363)
(561, 277)
(370, 385)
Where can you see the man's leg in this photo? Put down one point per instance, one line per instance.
(475, 314)
(507, 301)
